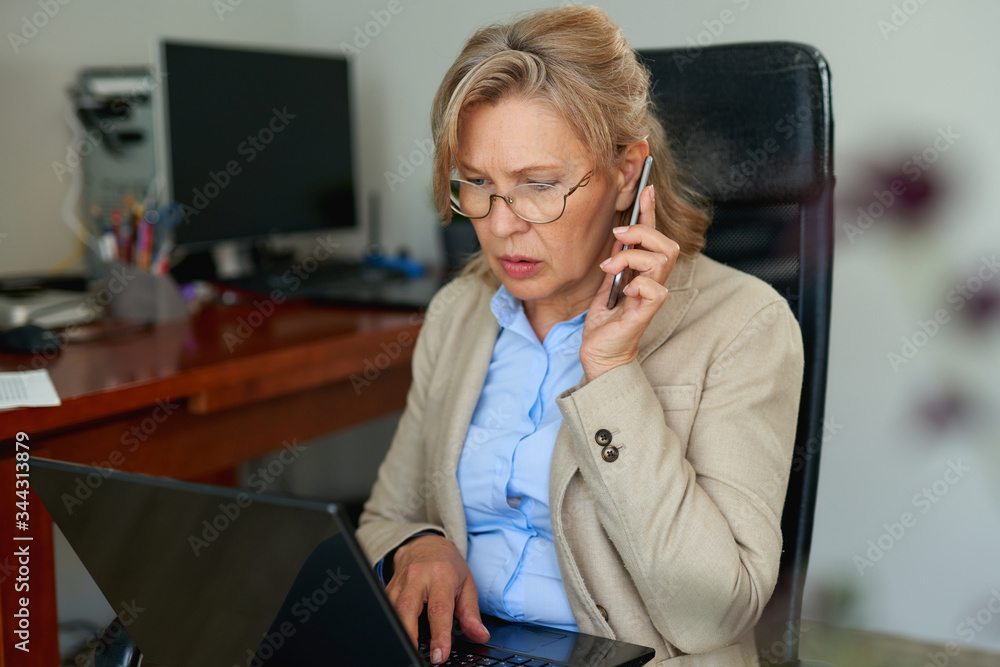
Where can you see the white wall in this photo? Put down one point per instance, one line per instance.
(891, 95)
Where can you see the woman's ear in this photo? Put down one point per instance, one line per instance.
(628, 172)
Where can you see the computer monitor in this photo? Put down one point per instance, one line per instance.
(257, 142)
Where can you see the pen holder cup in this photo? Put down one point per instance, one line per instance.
(145, 297)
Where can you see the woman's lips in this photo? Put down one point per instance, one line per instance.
(519, 267)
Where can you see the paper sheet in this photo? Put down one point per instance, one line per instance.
(20, 389)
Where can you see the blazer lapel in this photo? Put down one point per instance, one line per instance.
(470, 363)
(681, 296)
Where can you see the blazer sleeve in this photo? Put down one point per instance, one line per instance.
(396, 509)
(698, 528)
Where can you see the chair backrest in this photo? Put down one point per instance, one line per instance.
(753, 126)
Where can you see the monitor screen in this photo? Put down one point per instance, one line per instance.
(258, 142)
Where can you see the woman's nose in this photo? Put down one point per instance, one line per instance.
(503, 221)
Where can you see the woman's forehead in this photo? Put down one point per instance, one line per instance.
(516, 136)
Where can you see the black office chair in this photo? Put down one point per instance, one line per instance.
(753, 125)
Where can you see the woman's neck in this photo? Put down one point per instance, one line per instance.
(543, 315)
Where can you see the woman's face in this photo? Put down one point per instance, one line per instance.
(554, 264)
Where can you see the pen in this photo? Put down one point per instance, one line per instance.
(140, 245)
(147, 246)
(136, 250)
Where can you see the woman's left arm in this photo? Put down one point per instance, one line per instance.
(697, 526)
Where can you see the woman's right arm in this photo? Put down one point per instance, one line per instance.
(426, 569)
(396, 510)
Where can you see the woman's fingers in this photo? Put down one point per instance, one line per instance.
(440, 614)
(640, 260)
(655, 265)
(429, 569)
(409, 603)
(409, 589)
(611, 337)
(467, 611)
(646, 237)
(647, 207)
(647, 289)
(649, 252)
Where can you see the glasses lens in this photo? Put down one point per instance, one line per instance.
(469, 200)
(537, 202)
(534, 202)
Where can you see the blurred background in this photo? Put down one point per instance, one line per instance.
(913, 398)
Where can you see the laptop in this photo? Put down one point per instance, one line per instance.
(210, 576)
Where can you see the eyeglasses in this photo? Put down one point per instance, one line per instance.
(540, 203)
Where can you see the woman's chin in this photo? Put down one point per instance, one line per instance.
(525, 289)
(519, 290)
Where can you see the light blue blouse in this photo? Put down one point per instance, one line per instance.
(503, 473)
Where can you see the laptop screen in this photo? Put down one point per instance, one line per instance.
(203, 575)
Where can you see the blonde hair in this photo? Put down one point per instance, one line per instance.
(576, 60)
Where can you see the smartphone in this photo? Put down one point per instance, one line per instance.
(619, 282)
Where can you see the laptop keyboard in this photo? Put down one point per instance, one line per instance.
(470, 654)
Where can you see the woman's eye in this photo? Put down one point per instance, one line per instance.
(477, 181)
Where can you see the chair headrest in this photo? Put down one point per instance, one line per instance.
(747, 121)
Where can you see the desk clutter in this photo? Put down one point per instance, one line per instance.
(236, 243)
(27, 389)
(134, 244)
(134, 235)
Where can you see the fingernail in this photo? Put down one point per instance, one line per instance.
(436, 656)
(619, 230)
(652, 193)
(603, 264)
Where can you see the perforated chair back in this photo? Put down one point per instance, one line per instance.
(753, 125)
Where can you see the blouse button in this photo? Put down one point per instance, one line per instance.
(603, 437)
(603, 612)
(610, 454)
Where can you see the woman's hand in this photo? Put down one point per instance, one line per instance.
(611, 337)
(430, 570)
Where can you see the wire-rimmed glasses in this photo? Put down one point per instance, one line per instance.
(540, 203)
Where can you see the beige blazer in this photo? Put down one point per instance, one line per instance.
(675, 542)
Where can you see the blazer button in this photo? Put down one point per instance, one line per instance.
(610, 454)
(603, 437)
(603, 612)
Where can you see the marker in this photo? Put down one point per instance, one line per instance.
(146, 235)
(136, 251)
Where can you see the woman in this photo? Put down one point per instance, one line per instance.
(617, 471)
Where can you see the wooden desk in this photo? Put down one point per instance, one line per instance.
(191, 400)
